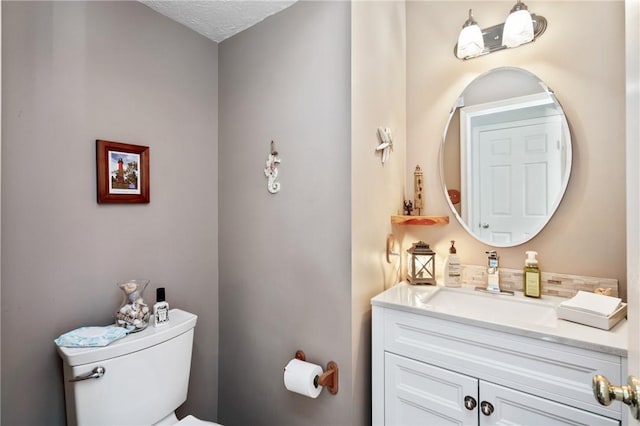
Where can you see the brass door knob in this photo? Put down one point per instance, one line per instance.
(606, 393)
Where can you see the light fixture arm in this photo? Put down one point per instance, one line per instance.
(470, 20)
(519, 6)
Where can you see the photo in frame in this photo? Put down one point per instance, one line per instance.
(122, 172)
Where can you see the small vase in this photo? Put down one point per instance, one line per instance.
(133, 313)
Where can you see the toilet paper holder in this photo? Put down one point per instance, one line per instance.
(328, 379)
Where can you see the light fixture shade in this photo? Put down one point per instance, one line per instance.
(470, 42)
(518, 28)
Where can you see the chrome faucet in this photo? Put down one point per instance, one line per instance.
(493, 275)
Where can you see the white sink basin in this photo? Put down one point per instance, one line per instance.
(494, 308)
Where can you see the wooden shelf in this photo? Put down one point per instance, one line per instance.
(419, 220)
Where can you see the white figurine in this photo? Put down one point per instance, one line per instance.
(386, 143)
(271, 171)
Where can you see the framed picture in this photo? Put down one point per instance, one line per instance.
(123, 172)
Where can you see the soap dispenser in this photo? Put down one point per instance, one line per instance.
(532, 281)
(452, 268)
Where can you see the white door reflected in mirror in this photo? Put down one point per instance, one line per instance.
(510, 159)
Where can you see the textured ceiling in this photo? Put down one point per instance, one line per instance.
(218, 19)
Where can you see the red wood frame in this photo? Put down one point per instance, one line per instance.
(103, 175)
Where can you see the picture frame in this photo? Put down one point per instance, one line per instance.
(122, 172)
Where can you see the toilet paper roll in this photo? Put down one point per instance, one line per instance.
(301, 377)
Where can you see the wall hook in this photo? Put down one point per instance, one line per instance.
(271, 170)
(386, 143)
(391, 247)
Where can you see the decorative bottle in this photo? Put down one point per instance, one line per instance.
(160, 308)
(134, 312)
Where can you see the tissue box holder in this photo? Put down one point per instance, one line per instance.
(593, 320)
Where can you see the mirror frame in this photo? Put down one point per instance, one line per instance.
(568, 162)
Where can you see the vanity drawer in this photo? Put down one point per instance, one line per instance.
(550, 370)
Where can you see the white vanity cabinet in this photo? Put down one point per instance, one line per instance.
(433, 370)
(418, 393)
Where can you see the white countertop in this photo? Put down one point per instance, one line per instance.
(411, 298)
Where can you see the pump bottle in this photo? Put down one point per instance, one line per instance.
(452, 268)
(532, 282)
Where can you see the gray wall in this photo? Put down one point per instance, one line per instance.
(285, 258)
(74, 72)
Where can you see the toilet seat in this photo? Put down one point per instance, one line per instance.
(193, 421)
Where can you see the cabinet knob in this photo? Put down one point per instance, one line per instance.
(469, 403)
(606, 393)
(486, 408)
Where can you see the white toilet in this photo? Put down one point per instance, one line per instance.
(138, 380)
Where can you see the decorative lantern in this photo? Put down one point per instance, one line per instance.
(421, 268)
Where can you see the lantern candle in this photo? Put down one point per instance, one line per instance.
(421, 269)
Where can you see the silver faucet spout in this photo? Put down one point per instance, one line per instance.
(493, 276)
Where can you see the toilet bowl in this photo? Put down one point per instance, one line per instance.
(172, 420)
(192, 421)
(140, 379)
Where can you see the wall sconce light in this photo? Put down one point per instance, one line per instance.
(470, 41)
(520, 27)
(421, 269)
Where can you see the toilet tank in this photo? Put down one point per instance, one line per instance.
(146, 375)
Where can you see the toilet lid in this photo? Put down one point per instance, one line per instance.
(193, 421)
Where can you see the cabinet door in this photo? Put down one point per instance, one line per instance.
(517, 408)
(420, 394)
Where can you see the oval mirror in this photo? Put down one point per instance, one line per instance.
(505, 157)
